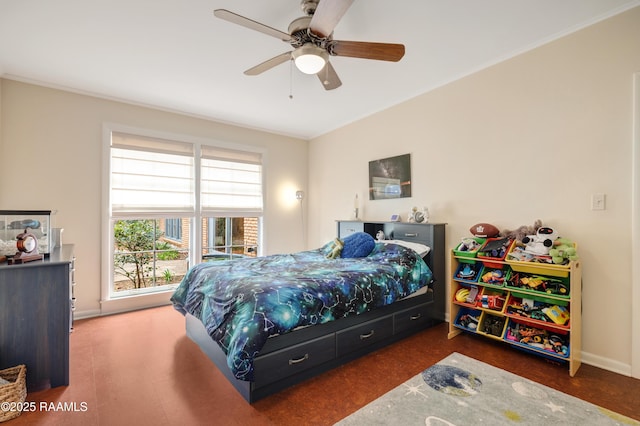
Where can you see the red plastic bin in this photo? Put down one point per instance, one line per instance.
(487, 248)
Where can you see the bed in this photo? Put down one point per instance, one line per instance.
(274, 321)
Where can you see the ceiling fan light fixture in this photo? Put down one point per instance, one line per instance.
(309, 58)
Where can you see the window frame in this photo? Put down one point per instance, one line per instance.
(112, 303)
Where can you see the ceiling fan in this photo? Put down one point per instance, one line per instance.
(311, 37)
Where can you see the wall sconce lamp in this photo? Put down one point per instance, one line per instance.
(299, 195)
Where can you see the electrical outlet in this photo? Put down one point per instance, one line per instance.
(598, 202)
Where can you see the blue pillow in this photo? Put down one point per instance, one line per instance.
(358, 244)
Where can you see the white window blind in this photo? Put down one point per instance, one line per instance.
(230, 182)
(150, 175)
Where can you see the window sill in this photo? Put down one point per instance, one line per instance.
(135, 302)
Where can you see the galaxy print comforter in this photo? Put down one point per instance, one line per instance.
(243, 302)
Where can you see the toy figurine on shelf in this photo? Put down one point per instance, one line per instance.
(493, 325)
(419, 216)
(489, 301)
(495, 248)
(539, 283)
(468, 244)
(563, 252)
(494, 276)
(469, 321)
(557, 344)
(468, 271)
(541, 242)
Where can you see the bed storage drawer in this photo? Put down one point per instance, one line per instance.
(413, 232)
(363, 335)
(412, 318)
(276, 365)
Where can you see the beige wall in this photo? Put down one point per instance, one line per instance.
(51, 144)
(530, 138)
(2, 155)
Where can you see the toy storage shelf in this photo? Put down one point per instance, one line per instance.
(500, 310)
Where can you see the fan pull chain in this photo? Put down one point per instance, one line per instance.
(291, 79)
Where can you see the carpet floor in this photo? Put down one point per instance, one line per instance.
(460, 390)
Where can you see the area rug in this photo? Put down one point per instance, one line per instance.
(463, 391)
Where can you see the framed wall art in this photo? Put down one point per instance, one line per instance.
(390, 177)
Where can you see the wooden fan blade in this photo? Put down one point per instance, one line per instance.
(329, 78)
(251, 24)
(327, 15)
(366, 50)
(268, 64)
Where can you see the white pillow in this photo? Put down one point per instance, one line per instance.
(421, 249)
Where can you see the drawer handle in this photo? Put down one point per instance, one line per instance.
(406, 234)
(415, 317)
(366, 336)
(299, 360)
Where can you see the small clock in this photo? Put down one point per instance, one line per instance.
(27, 242)
(27, 245)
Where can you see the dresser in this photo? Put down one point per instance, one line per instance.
(36, 317)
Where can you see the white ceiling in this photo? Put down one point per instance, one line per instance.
(175, 55)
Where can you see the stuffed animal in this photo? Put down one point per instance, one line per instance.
(358, 244)
(563, 251)
(521, 232)
(541, 242)
(336, 250)
(468, 244)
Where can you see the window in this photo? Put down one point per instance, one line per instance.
(143, 259)
(230, 237)
(231, 183)
(173, 229)
(158, 190)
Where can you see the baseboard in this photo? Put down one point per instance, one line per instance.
(126, 304)
(606, 364)
(134, 303)
(78, 315)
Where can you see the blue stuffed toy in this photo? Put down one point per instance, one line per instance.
(358, 244)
